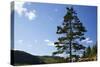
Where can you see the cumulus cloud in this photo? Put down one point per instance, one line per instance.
(49, 43)
(31, 15)
(87, 40)
(21, 10)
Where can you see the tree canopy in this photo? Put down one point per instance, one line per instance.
(71, 32)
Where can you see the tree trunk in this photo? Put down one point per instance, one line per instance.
(70, 42)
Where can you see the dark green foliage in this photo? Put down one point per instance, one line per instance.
(52, 59)
(90, 51)
(72, 31)
(23, 58)
(94, 50)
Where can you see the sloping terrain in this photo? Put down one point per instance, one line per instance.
(23, 58)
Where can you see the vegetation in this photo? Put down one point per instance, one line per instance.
(23, 58)
(53, 59)
(71, 32)
(90, 53)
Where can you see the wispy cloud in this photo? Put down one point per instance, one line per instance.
(23, 45)
(23, 11)
(49, 43)
(20, 41)
(87, 40)
(46, 40)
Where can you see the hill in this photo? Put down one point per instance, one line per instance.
(24, 58)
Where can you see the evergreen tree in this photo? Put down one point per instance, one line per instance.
(88, 51)
(94, 50)
(71, 31)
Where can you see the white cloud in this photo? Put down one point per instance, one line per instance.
(20, 41)
(49, 43)
(31, 15)
(90, 41)
(46, 40)
(21, 10)
(87, 40)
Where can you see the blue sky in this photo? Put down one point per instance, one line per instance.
(35, 25)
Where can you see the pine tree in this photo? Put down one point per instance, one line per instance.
(71, 31)
(88, 51)
(94, 50)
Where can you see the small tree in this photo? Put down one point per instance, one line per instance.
(88, 51)
(71, 31)
(94, 50)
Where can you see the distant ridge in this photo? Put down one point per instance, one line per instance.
(24, 58)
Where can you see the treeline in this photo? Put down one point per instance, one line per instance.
(90, 52)
(23, 58)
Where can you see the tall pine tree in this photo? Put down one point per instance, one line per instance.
(71, 32)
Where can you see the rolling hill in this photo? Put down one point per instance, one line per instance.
(24, 58)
